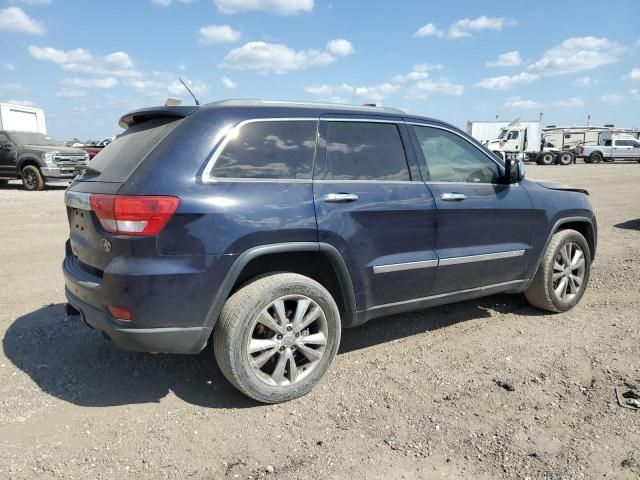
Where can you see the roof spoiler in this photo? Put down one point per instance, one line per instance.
(144, 114)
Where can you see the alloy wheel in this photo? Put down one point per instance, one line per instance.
(568, 271)
(287, 341)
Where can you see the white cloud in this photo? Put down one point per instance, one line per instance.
(145, 85)
(429, 30)
(80, 60)
(166, 3)
(176, 89)
(279, 7)
(505, 82)
(105, 83)
(376, 93)
(634, 74)
(274, 57)
(418, 72)
(520, 103)
(212, 34)
(508, 59)
(228, 83)
(465, 26)
(329, 91)
(13, 19)
(585, 81)
(340, 47)
(443, 85)
(9, 66)
(70, 93)
(612, 98)
(573, 102)
(576, 54)
(48, 54)
(24, 103)
(32, 2)
(4, 87)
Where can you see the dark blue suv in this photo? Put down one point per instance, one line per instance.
(271, 226)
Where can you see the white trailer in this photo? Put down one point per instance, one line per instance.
(485, 131)
(21, 118)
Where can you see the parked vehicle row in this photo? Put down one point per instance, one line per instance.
(300, 220)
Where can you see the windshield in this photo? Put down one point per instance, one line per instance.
(33, 138)
(502, 134)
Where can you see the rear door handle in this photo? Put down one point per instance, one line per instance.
(340, 197)
(452, 197)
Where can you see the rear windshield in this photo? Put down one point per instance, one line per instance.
(118, 160)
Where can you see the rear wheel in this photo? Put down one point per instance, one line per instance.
(595, 157)
(32, 178)
(277, 336)
(565, 158)
(546, 158)
(563, 274)
(3, 182)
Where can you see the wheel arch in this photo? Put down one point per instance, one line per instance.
(583, 225)
(319, 261)
(23, 162)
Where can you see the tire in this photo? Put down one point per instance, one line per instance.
(595, 157)
(546, 158)
(238, 325)
(32, 178)
(565, 158)
(542, 292)
(3, 182)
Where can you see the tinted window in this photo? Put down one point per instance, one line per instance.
(607, 143)
(117, 161)
(513, 135)
(269, 150)
(451, 158)
(4, 139)
(365, 151)
(624, 143)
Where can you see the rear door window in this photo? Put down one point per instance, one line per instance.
(118, 160)
(269, 150)
(365, 151)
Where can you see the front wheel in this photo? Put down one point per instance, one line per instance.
(563, 274)
(32, 178)
(277, 336)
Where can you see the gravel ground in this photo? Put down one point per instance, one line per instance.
(411, 396)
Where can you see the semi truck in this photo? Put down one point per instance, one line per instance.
(21, 118)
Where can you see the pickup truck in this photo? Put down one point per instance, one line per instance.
(616, 148)
(37, 159)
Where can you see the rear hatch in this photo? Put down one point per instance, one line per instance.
(94, 242)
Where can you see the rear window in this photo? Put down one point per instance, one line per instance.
(269, 150)
(365, 151)
(118, 160)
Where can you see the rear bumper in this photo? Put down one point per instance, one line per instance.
(155, 340)
(89, 295)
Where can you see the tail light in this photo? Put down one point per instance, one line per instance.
(133, 214)
(581, 150)
(120, 313)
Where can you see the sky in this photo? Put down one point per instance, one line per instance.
(86, 63)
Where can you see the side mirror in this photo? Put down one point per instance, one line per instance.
(7, 146)
(514, 171)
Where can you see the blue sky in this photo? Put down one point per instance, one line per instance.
(86, 63)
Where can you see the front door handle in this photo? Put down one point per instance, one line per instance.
(340, 197)
(452, 197)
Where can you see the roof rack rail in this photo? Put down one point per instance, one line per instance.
(284, 103)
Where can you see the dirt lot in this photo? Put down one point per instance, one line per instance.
(412, 396)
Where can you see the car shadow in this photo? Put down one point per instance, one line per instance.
(17, 185)
(629, 224)
(69, 361)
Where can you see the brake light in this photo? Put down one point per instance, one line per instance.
(133, 214)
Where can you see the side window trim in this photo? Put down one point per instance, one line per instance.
(321, 151)
(423, 161)
(227, 133)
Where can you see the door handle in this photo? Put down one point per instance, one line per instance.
(340, 197)
(452, 197)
